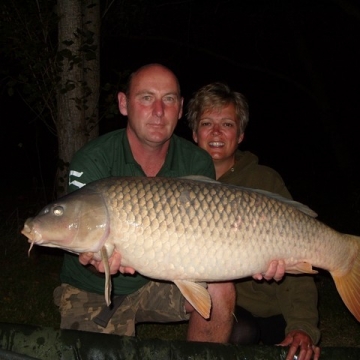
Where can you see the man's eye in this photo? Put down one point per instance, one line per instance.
(169, 99)
(147, 97)
(204, 124)
(228, 124)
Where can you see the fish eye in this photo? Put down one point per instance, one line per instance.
(58, 210)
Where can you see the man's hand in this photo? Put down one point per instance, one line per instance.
(276, 271)
(300, 343)
(114, 263)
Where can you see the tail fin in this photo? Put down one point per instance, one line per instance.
(348, 285)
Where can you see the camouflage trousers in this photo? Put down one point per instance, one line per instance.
(155, 302)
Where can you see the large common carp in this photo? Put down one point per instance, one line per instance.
(191, 230)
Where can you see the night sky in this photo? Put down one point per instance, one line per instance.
(296, 62)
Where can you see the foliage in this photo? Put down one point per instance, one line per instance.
(54, 71)
(30, 44)
(28, 41)
(109, 91)
(126, 17)
(33, 60)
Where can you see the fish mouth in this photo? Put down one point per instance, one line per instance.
(33, 236)
(216, 144)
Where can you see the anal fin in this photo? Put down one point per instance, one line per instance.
(301, 268)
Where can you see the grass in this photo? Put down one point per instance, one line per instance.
(27, 283)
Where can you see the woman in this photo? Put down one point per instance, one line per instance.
(282, 313)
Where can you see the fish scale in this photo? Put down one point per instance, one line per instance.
(190, 230)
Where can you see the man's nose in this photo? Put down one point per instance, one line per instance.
(158, 108)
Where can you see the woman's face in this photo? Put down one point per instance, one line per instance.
(218, 132)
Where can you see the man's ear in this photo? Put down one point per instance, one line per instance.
(122, 103)
(195, 136)
(241, 138)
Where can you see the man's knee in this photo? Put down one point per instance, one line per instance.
(223, 294)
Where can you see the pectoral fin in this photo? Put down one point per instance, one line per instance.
(301, 268)
(105, 259)
(196, 295)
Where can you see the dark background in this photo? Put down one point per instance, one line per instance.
(296, 62)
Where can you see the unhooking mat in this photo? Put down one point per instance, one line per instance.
(24, 342)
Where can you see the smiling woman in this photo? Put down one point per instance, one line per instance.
(265, 311)
(218, 118)
(219, 134)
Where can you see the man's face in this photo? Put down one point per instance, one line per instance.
(153, 105)
(218, 132)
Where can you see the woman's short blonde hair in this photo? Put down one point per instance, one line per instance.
(215, 96)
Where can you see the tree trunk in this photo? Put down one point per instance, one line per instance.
(77, 97)
(91, 61)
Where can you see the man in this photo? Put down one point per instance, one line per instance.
(282, 313)
(147, 147)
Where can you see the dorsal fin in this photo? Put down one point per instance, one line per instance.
(200, 178)
(297, 205)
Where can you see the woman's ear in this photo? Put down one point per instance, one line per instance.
(241, 138)
(195, 136)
